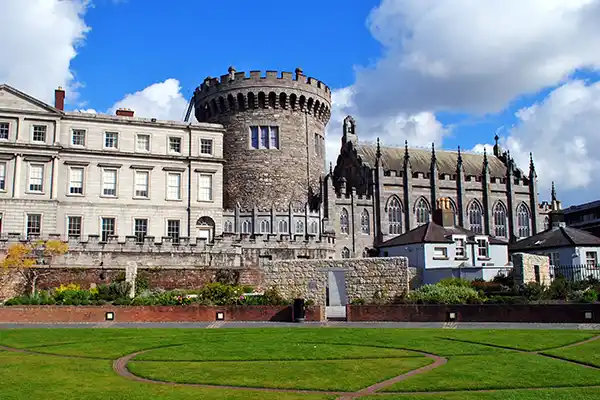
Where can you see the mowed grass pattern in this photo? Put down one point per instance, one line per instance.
(300, 358)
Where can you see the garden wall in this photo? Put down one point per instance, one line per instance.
(193, 313)
(364, 277)
(534, 313)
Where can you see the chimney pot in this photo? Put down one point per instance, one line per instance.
(59, 99)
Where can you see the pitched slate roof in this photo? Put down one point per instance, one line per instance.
(434, 233)
(563, 236)
(420, 160)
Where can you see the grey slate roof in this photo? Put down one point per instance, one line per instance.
(434, 233)
(420, 160)
(563, 236)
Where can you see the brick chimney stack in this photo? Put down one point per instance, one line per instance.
(443, 214)
(59, 99)
(125, 112)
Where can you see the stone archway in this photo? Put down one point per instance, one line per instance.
(205, 228)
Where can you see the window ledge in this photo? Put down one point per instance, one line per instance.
(36, 193)
(483, 258)
(461, 258)
(206, 201)
(140, 198)
(75, 194)
(175, 200)
(104, 196)
(440, 258)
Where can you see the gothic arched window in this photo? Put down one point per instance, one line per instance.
(299, 227)
(246, 227)
(314, 227)
(283, 226)
(345, 252)
(422, 212)
(265, 227)
(523, 218)
(500, 220)
(344, 221)
(365, 224)
(394, 216)
(228, 227)
(475, 217)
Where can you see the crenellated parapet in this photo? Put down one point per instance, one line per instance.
(239, 92)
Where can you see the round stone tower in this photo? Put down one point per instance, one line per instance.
(274, 145)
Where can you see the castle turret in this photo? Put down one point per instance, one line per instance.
(274, 145)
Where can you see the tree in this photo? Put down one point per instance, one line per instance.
(32, 260)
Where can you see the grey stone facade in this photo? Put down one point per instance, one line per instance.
(367, 279)
(287, 168)
(531, 268)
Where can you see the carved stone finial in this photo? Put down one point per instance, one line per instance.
(378, 154)
(553, 192)
(531, 165)
(331, 168)
(485, 159)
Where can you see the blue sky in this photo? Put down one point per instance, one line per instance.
(453, 72)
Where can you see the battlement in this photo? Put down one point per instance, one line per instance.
(236, 79)
(237, 92)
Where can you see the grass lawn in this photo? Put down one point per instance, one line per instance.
(77, 363)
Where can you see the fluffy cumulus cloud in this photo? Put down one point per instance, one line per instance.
(161, 100)
(477, 57)
(41, 37)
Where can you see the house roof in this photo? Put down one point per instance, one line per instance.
(420, 160)
(434, 233)
(30, 99)
(562, 236)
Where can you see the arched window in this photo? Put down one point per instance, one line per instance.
(365, 224)
(523, 221)
(265, 227)
(500, 220)
(283, 226)
(241, 102)
(394, 216)
(422, 212)
(345, 252)
(344, 221)
(246, 227)
(299, 227)
(314, 227)
(546, 223)
(475, 217)
(228, 227)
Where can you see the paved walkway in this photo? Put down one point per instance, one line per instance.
(336, 324)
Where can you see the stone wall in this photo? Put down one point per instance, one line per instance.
(388, 276)
(531, 268)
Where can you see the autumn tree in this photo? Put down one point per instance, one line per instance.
(32, 260)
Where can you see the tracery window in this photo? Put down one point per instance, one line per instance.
(475, 217)
(394, 216)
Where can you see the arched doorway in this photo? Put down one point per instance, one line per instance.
(205, 228)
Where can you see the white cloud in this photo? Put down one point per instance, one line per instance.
(462, 55)
(40, 38)
(562, 133)
(479, 148)
(161, 100)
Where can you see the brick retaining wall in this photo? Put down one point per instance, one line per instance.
(534, 313)
(193, 313)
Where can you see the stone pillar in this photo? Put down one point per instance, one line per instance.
(130, 276)
(17, 176)
(531, 268)
(54, 178)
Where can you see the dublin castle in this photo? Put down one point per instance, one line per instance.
(251, 171)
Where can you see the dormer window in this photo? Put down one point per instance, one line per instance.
(460, 247)
(483, 249)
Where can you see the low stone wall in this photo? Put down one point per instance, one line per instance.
(192, 313)
(533, 313)
(364, 277)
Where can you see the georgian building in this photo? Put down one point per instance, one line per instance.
(78, 174)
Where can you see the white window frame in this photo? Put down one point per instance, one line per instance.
(440, 252)
(3, 167)
(273, 131)
(460, 243)
(201, 188)
(483, 251)
(31, 166)
(73, 131)
(115, 226)
(169, 150)
(212, 146)
(116, 183)
(167, 195)
(82, 182)
(67, 225)
(33, 133)
(116, 141)
(134, 226)
(591, 259)
(27, 215)
(135, 184)
(7, 130)
(137, 141)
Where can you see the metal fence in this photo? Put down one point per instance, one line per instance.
(575, 272)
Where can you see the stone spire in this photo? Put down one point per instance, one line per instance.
(485, 160)
(406, 154)
(497, 149)
(378, 153)
(433, 157)
(459, 160)
(531, 166)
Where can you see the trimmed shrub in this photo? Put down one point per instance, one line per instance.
(439, 294)
(455, 282)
